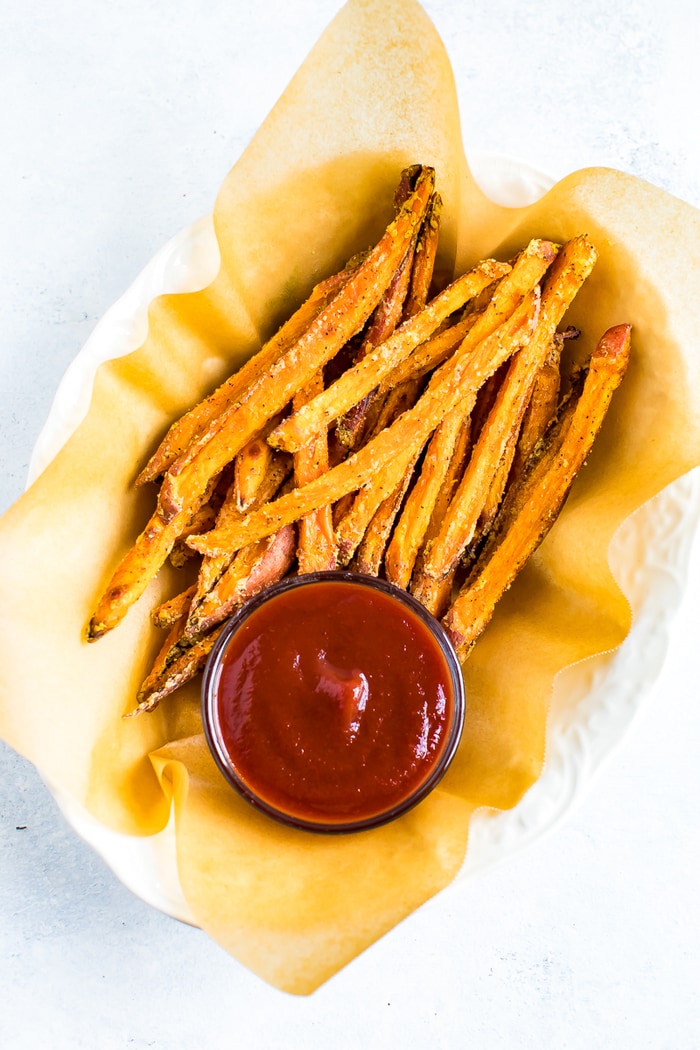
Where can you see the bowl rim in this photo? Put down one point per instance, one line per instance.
(210, 720)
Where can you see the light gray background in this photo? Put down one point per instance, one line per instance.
(118, 123)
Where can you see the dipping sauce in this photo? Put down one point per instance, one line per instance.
(333, 701)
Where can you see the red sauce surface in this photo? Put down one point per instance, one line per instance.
(334, 701)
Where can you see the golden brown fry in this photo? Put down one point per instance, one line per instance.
(542, 408)
(360, 380)
(182, 669)
(350, 425)
(251, 465)
(457, 379)
(167, 613)
(252, 570)
(428, 355)
(348, 311)
(574, 264)
(418, 509)
(383, 484)
(435, 595)
(409, 300)
(532, 509)
(168, 652)
(211, 568)
(370, 554)
(424, 258)
(190, 426)
(317, 551)
(135, 571)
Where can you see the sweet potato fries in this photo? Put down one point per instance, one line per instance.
(438, 454)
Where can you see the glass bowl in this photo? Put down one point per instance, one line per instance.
(333, 702)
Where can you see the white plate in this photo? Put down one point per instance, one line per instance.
(593, 703)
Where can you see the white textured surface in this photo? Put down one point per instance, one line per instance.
(118, 125)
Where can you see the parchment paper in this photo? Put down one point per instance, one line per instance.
(313, 187)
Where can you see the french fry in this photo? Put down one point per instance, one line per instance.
(251, 465)
(168, 613)
(188, 427)
(317, 551)
(424, 259)
(135, 571)
(354, 524)
(352, 427)
(252, 570)
(542, 407)
(183, 668)
(500, 429)
(212, 568)
(457, 379)
(370, 554)
(529, 513)
(573, 265)
(331, 329)
(360, 380)
(169, 651)
(418, 509)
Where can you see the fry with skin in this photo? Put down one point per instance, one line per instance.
(424, 259)
(457, 379)
(529, 513)
(367, 502)
(168, 651)
(435, 595)
(539, 412)
(360, 380)
(542, 407)
(387, 316)
(573, 265)
(317, 549)
(252, 570)
(167, 613)
(211, 568)
(251, 465)
(183, 668)
(370, 554)
(188, 427)
(347, 312)
(419, 273)
(418, 509)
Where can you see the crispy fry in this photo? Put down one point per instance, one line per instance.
(317, 549)
(211, 568)
(168, 652)
(347, 312)
(457, 379)
(429, 355)
(568, 273)
(352, 427)
(370, 554)
(356, 521)
(424, 259)
(387, 316)
(135, 571)
(500, 429)
(532, 509)
(182, 669)
(167, 613)
(251, 465)
(542, 407)
(420, 504)
(358, 381)
(188, 427)
(252, 570)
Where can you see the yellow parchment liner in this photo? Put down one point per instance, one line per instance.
(315, 186)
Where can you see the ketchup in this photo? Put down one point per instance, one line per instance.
(334, 702)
